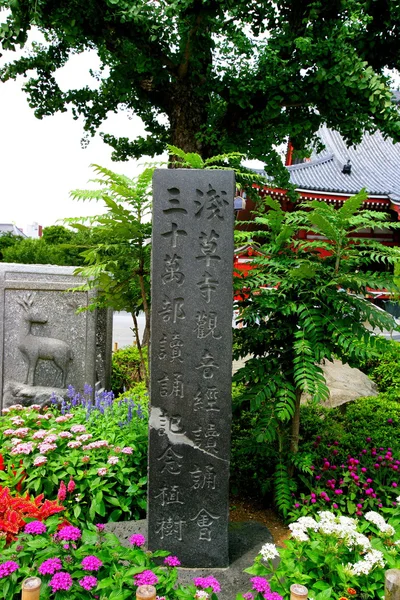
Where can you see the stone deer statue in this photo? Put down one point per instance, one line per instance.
(33, 347)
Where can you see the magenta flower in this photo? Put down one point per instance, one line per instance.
(394, 484)
(172, 561)
(100, 526)
(7, 568)
(60, 581)
(50, 566)
(137, 540)
(91, 563)
(62, 492)
(88, 582)
(69, 533)
(206, 582)
(145, 578)
(71, 486)
(35, 527)
(260, 584)
(248, 596)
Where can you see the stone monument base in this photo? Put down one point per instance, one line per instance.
(245, 541)
(21, 393)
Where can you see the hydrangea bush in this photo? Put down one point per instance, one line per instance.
(91, 455)
(334, 556)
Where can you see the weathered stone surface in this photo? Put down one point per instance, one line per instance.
(345, 383)
(44, 344)
(191, 364)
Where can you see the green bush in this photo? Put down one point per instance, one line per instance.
(126, 369)
(377, 418)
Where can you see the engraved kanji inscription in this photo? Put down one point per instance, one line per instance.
(176, 345)
(203, 479)
(207, 400)
(206, 437)
(172, 310)
(207, 285)
(170, 527)
(205, 520)
(207, 365)
(177, 386)
(174, 202)
(171, 462)
(206, 324)
(162, 347)
(169, 494)
(208, 247)
(172, 423)
(212, 201)
(172, 272)
(174, 234)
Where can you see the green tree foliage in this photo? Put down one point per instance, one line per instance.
(58, 246)
(118, 261)
(7, 240)
(213, 76)
(300, 306)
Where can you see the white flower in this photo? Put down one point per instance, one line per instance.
(380, 522)
(398, 499)
(269, 551)
(113, 460)
(308, 523)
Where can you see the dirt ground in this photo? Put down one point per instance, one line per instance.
(241, 509)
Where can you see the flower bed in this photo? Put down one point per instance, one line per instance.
(92, 456)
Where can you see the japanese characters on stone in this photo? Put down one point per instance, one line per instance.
(191, 361)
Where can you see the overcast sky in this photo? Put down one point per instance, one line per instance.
(42, 160)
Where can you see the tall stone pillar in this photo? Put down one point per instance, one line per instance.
(191, 364)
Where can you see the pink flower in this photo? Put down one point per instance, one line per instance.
(88, 582)
(69, 533)
(26, 448)
(39, 461)
(65, 434)
(50, 438)
(260, 584)
(84, 438)
(7, 568)
(50, 566)
(145, 578)
(71, 486)
(62, 492)
(172, 561)
(35, 528)
(60, 581)
(113, 460)
(127, 450)
(137, 540)
(85, 459)
(91, 563)
(74, 444)
(100, 526)
(206, 582)
(78, 429)
(394, 484)
(102, 471)
(44, 447)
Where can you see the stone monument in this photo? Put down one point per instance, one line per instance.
(191, 364)
(44, 344)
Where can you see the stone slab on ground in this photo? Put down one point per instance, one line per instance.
(245, 541)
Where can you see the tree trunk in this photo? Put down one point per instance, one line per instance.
(295, 429)
(187, 117)
(143, 368)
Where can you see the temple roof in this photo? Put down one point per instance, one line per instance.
(375, 165)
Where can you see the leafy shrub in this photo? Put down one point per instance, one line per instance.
(93, 458)
(375, 417)
(126, 368)
(334, 556)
